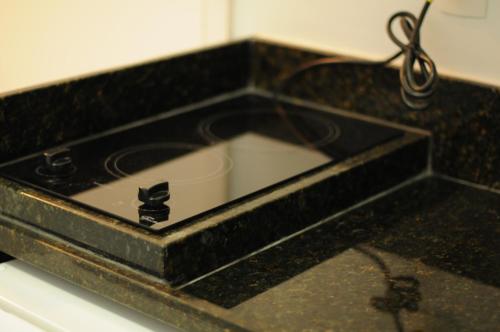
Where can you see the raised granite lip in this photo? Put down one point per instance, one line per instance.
(185, 253)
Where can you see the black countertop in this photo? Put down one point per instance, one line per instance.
(424, 258)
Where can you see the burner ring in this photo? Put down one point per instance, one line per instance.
(331, 131)
(220, 162)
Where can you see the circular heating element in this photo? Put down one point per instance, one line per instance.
(297, 128)
(178, 163)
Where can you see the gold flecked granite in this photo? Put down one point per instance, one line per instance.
(424, 258)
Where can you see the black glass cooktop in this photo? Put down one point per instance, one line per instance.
(163, 173)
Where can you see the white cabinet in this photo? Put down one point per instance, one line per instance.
(32, 301)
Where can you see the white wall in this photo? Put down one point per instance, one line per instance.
(50, 40)
(46, 40)
(462, 47)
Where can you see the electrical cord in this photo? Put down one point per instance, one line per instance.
(416, 88)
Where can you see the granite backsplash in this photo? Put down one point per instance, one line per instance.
(48, 116)
(464, 117)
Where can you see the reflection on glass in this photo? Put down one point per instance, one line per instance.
(203, 177)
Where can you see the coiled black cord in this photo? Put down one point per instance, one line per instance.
(416, 88)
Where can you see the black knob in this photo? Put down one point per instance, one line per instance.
(56, 164)
(154, 210)
(155, 196)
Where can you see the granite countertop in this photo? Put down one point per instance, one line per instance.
(424, 258)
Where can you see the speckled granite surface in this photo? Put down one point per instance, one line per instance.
(221, 237)
(44, 117)
(464, 117)
(425, 258)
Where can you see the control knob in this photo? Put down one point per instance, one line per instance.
(154, 209)
(57, 164)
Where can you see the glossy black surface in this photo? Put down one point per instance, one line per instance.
(210, 157)
(424, 258)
